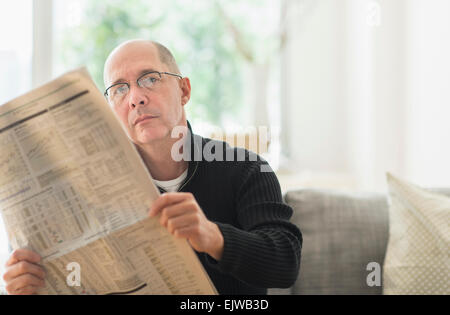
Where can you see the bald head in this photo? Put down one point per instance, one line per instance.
(124, 49)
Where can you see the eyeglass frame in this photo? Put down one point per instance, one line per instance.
(140, 77)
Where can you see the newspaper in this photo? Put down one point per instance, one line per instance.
(74, 189)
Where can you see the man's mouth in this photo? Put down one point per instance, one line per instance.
(144, 118)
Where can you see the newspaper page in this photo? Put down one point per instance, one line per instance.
(74, 189)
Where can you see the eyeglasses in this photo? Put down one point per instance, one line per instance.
(117, 92)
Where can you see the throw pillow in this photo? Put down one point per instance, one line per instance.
(417, 256)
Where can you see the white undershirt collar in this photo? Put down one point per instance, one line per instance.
(172, 185)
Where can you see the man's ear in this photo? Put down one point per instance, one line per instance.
(185, 85)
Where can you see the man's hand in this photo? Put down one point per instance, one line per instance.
(183, 217)
(22, 274)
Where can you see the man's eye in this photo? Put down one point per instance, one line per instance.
(149, 81)
(121, 90)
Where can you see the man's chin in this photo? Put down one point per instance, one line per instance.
(148, 137)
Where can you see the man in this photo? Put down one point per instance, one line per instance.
(231, 212)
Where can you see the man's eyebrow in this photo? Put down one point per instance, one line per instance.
(146, 71)
(142, 72)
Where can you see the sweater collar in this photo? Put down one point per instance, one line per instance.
(195, 152)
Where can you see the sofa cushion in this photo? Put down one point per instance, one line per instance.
(417, 253)
(342, 234)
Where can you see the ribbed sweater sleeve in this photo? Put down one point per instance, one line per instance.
(264, 249)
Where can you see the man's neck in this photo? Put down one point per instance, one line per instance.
(158, 159)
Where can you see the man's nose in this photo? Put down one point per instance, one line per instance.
(137, 97)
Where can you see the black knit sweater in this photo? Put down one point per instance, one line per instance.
(261, 247)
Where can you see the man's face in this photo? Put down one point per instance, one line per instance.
(147, 114)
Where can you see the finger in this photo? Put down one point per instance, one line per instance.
(29, 290)
(186, 232)
(181, 222)
(24, 281)
(175, 210)
(23, 254)
(23, 267)
(165, 200)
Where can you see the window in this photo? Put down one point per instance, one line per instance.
(229, 50)
(15, 65)
(15, 49)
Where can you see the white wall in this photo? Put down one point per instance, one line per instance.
(315, 120)
(367, 90)
(375, 97)
(429, 91)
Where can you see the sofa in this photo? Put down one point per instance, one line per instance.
(343, 233)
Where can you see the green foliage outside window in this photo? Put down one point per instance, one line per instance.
(196, 35)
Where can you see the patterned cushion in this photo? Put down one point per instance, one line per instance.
(417, 260)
